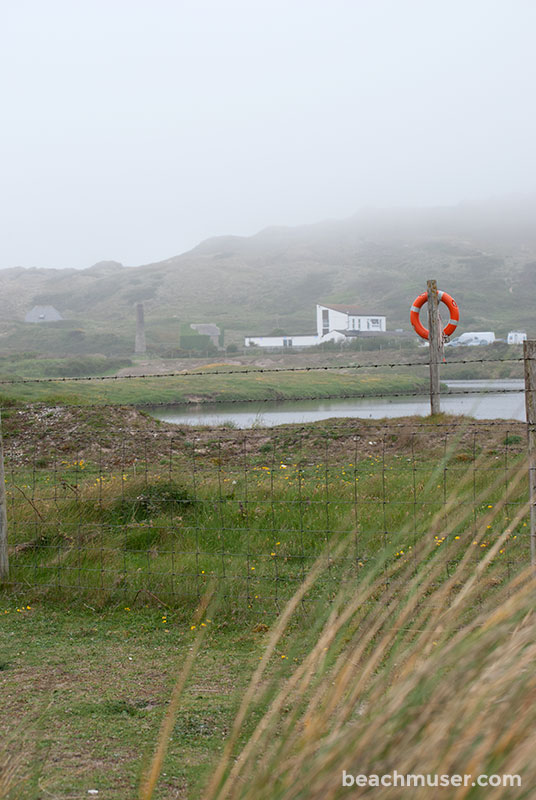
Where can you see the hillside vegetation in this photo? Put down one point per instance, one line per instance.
(485, 257)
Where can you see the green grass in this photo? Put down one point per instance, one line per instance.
(84, 692)
(34, 365)
(87, 677)
(191, 509)
(72, 337)
(219, 387)
(87, 673)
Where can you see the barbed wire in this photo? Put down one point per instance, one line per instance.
(254, 370)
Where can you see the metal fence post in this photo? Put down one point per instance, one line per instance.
(4, 558)
(435, 346)
(529, 357)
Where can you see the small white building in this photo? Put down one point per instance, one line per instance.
(516, 337)
(334, 323)
(297, 340)
(43, 314)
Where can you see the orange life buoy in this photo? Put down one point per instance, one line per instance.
(452, 306)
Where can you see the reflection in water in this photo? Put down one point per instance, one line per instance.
(492, 405)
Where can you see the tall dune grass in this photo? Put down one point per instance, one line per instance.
(412, 672)
(413, 668)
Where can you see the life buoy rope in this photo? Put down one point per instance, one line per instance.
(443, 297)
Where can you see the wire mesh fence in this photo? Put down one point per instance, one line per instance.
(118, 508)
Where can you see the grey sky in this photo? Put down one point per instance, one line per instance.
(132, 129)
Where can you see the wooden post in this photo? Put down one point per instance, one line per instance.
(434, 338)
(4, 559)
(529, 356)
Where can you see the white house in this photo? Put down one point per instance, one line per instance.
(347, 318)
(334, 323)
(43, 314)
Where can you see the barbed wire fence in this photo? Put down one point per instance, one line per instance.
(165, 510)
(272, 394)
(253, 370)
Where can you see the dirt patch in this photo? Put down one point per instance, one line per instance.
(115, 437)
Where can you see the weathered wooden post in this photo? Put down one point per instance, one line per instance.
(529, 356)
(4, 558)
(435, 346)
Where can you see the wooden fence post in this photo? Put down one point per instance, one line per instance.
(529, 357)
(435, 346)
(4, 558)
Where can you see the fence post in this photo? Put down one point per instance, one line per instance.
(435, 346)
(529, 357)
(4, 558)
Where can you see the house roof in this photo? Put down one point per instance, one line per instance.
(348, 309)
(206, 328)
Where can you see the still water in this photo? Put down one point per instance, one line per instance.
(493, 405)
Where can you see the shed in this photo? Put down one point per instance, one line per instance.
(207, 329)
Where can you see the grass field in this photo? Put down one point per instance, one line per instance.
(199, 388)
(220, 379)
(119, 526)
(86, 689)
(120, 508)
(84, 692)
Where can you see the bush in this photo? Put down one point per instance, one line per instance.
(197, 342)
(151, 501)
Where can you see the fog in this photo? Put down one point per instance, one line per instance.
(132, 130)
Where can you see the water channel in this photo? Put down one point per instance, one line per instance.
(481, 399)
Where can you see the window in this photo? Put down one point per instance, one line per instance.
(325, 321)
(287, 342)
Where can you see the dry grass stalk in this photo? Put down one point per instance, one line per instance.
(393, 696)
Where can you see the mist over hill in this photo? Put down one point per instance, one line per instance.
(485, 256)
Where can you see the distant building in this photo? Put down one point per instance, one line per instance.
(346, 319)
(297, 340)
(43, 314)
(334, 323)
(516, 337)
(208, 329)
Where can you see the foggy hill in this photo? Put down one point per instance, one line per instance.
(483, 255)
